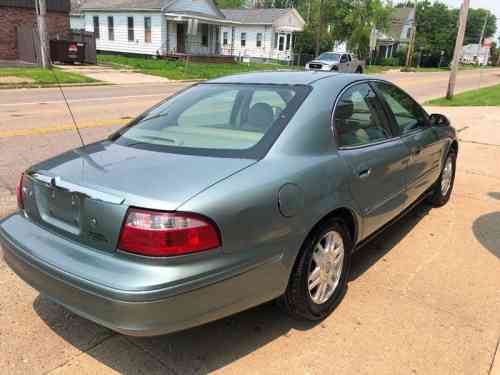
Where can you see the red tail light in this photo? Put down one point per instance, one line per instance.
(154, 233)
(19, 193)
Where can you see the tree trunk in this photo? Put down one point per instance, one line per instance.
(320, 27)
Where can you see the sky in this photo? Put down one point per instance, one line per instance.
(492, 5)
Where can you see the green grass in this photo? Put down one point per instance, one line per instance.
(43, 76)
(378, 69)
(179, 70)
(488, 96)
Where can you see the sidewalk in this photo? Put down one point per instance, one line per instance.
(113, 76)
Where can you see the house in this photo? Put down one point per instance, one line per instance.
(20, 14)
(76, 17)
(181, 28)
(398, 34)
(261, 34)
(476, 54)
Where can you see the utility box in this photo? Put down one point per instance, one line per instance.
(67, 51)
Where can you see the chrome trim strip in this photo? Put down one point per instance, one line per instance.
(89, 193)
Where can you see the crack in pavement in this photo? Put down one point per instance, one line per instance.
(494, 358)
(160, 360)
(106, 338)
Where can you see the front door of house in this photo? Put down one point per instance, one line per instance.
(181, 38)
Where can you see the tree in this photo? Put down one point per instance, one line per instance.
(475, 24)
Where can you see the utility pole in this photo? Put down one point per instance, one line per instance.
(41, 19)
(480, 43)
(411, 46)
(479, 48)
(464, 12)
(320, 26)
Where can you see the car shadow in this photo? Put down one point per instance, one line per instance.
(384, 242)
(214, 345)
(487, 232)
(494, 195)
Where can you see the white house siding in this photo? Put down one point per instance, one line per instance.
(250, 49)
(121, 42)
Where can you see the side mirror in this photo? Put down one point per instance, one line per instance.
(439, 120)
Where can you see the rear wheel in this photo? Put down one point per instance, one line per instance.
(444, 186)
(319, 278)
(359, 70)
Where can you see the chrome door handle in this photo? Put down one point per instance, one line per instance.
(365, 173)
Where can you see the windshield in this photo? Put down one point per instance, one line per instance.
(330, 56)
(217, 119)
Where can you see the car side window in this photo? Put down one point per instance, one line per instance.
(358, 118)
(408, 114)
(343, 59)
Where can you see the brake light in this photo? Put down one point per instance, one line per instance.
(155, 233)
(19, 193)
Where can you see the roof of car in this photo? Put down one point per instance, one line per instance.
(279, 78)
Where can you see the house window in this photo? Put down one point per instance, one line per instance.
(225, 36)
(97, 31)
(275, 40)
(204, 34)
(259, 39)
(281, 45)
(111, 28)
(243, 39)
(288, 41)
(147, 29)
(130, 24)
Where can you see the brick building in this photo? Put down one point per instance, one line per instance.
(14, 13)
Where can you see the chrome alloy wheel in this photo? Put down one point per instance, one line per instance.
(325, 269)
(447, 176)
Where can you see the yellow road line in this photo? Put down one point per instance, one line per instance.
(59, 128)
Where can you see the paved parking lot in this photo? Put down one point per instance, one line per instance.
(424, 297)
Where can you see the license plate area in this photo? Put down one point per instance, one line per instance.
(59, 208)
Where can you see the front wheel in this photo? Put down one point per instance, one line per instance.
(319, 278)
(442, 189)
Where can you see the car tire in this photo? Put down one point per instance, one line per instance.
(298, 299)
(359, 70)
(441, 191)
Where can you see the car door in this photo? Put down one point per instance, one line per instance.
(376, 158)
(416, 132)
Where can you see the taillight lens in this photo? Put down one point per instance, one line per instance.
(154, 233)
(19, 193)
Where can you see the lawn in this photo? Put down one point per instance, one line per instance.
(38, 76)
(488, 96)
(178, 70)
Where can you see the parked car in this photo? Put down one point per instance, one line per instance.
(234, 192)
(337, 62)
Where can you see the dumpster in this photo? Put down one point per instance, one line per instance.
(67, 51)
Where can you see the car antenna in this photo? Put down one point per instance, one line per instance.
(51, 68)
(67, 105)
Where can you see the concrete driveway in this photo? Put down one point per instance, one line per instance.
(112, 75)
(424, 297)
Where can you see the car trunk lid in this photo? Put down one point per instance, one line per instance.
(84, 194)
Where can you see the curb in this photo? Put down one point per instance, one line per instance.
(51, 85)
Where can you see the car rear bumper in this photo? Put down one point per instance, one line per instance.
(155, 311)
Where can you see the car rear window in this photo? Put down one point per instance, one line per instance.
(234, 120)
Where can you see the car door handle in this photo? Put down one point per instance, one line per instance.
(365, 173)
